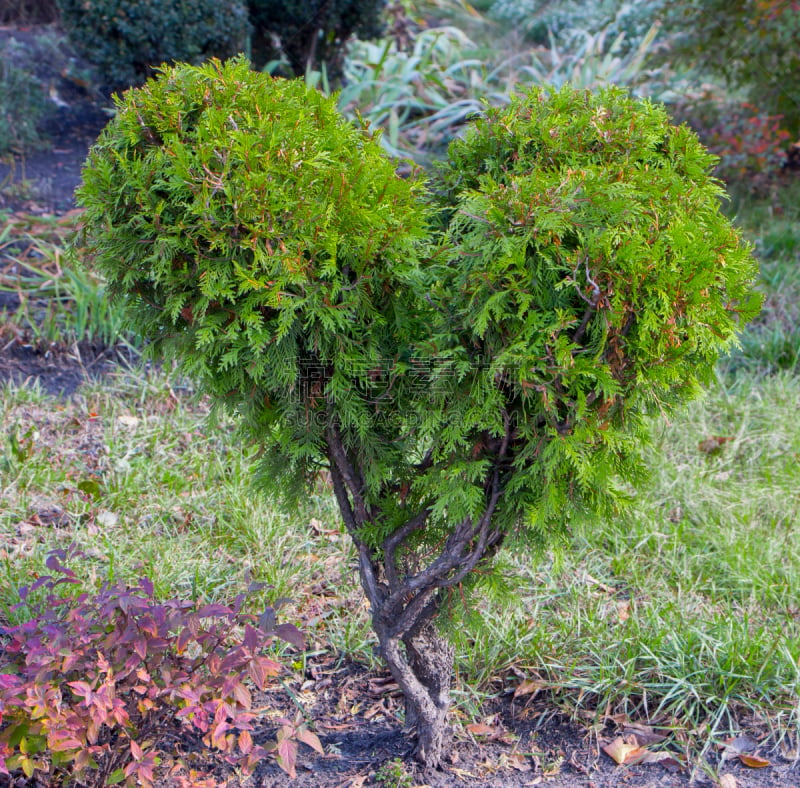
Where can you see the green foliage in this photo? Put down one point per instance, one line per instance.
(422, 96)
(393, 774)
(127, 39)
(23, 102)
(258, 237)
(308, 33)
(540, 20)
(57, 306)
(751, 45)
(90, 681)
(588, 278)
(473, 363)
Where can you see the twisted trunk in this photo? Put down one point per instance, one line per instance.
(421, 663)
(430, 657)
(405, 597)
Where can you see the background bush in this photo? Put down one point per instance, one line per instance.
(23, 101)
(306, 33)
(127, 39)
(539, 20)
(751, 45)
(28, 12)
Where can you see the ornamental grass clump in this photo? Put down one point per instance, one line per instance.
(471, 360)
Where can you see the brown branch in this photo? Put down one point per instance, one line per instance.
(375, 591)
(352, 479)
(391, 543)
(459, 552)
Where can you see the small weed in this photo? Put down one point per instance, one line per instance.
(393, 774)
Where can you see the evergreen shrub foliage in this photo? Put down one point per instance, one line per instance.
(127, 39)
(259, 237)
(587, 279)
(471, 361)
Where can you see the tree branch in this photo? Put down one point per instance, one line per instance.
(391, 543)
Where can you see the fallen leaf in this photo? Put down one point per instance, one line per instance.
(740, 744)
(554, 768)
(622, 751)
(754, 761)
(713, 444)
(645, 735)
(358, 782)
(463, 773)
(728, 781)
(664, 758)
(602, 586)
(516, 760)
(480, 729)
(528, 687)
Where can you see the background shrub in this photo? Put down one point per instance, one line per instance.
(127, 39)
(307, 33)
(752, 45)
(539, 20)
(23, 100)
(28, 12)
(91, 683)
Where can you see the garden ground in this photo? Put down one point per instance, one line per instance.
(521, 730)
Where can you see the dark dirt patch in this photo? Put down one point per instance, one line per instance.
(356, 711)
(59, 371)
(531, 743)
(43, 180)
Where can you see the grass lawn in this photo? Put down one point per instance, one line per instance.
(685, 611)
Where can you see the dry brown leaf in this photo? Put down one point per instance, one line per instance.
(713, 444)
(516, 760)
(481, 729)
(645, 735)
(358, 782)
(554, 769)
(622, 751)
(728, 781)
(528, 687)
(377, 709)
(754, 761)
(602, 586)
(664, 758)
(463, 773)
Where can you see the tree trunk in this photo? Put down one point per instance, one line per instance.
(430, 657)
(423, 668)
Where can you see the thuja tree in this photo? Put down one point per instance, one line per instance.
(471, 360)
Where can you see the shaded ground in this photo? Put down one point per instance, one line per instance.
(42, 181)
(522, 742)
